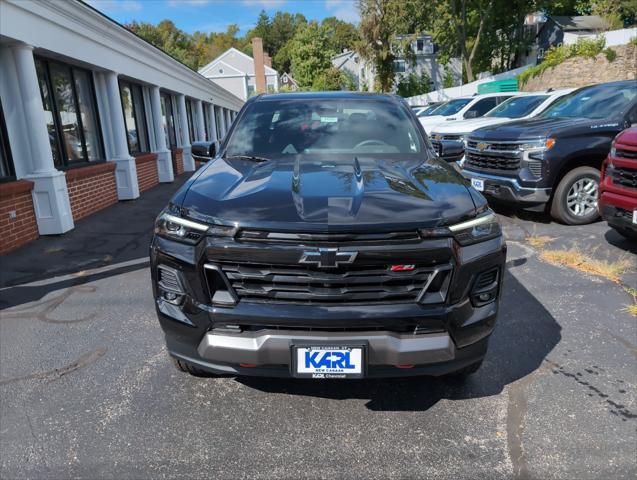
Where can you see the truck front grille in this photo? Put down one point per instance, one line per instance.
(351, 285)
(623, 176)
(632, 154)
(493, 156)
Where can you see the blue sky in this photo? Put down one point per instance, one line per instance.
(216, 15)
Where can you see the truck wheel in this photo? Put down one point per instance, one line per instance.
(188, 368)
(575, 198)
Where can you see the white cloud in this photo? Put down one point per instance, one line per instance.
(346, 10)
(192, 3)
(264, 3)
(109, 6)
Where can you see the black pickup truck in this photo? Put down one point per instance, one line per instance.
(327, 240)
(553, 159)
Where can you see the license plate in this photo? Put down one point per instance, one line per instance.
(634, 216)
(478, 184)
(328, 361)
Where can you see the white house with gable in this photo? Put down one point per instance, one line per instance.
(234, 71)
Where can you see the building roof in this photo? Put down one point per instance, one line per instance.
(228, 58)
(582, 22)
(339, 60)
(289, 77)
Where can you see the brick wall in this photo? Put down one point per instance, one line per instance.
(17, 217)
(178, 161)
(147, 176)
(91, 189)
(580, 71)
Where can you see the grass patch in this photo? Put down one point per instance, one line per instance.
(538, 241)
(632, 309)
(579, 261)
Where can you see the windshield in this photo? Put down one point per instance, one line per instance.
(517, 107)
(453, 106)
(430, 109)
(274, 128)
(601, 101)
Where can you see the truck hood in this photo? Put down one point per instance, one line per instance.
(302, 194)
(468, 126)
(543, 127)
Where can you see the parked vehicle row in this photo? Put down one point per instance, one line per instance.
(550, 157)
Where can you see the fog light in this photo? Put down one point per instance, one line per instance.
(172, 297)
(485, 297)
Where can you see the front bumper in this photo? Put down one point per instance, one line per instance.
(448, 335)
(508, 189)
(618, 210)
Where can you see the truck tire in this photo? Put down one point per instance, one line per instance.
(188, 368)
(575, 198)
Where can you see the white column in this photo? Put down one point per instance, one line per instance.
(201, 125)
(212, 121)
(224, 128)
(228, 120)
(125, 170)
(50, 193)
(164, 159)
(189, 163)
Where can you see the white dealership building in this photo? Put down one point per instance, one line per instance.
(90, 114)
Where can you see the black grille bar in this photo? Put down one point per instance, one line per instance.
(626, 177)
(351, 285)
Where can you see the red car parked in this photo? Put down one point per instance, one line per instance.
(618, 186)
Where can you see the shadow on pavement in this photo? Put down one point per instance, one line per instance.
(118, 234)
(525, 334)
(619, 241)
(21, 294)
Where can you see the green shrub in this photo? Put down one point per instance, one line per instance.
(610, 54)
(633, 41)
(555, 55)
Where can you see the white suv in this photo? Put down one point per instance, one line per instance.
(464, 108)
(523, 105)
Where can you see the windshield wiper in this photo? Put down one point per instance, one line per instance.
(250, 158)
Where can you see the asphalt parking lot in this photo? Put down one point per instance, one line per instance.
(87, 390)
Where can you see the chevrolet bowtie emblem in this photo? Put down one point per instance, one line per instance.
(482, 146)
(327, 257)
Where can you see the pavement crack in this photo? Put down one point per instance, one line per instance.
(57, 373)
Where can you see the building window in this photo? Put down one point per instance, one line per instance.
(420, 46)
(134, 117)
(250, 90)
(7, 171)
(168, 119)
(270, 88)
(191, 120)
(399, 66)
(70, 109)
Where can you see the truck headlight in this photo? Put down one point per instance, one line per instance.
(479, 229)
(539, 145)
(177, 228)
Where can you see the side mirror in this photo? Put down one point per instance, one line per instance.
(203, 151)
(451, 151)
(471, 114)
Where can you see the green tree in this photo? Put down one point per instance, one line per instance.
(333, 79)
(308, 53)
(342, 35)
(377, 30)
(412, 84)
